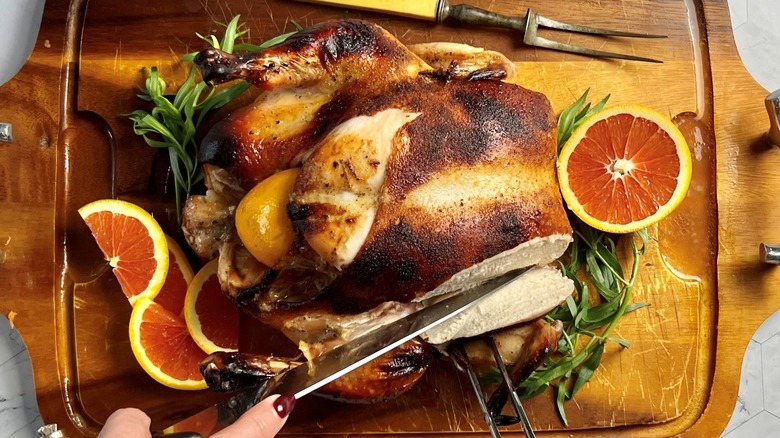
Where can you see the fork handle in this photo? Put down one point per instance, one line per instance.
(421, 9)
(480, 17)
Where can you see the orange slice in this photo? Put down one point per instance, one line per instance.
(261, 217)
(164, 348)
(212, 319)
(180, 274)
(132, 242)
(624, 168)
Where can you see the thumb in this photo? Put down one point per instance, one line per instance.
(264, 420)
(127, 423)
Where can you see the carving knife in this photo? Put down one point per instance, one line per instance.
(312, 375)
(431, 10)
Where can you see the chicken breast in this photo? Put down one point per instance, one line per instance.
(527, 298)
(337, 198)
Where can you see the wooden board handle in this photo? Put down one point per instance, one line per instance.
(422, 9)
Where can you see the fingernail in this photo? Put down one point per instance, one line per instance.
(284, 405)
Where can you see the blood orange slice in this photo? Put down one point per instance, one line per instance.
(132, 242)
(212, 319)
(624, 168)
(180, 274)
(164, 348)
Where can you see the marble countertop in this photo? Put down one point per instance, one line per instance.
(18, 409)
(757, 411)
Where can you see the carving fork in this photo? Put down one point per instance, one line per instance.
(440, 10)
(461, 359)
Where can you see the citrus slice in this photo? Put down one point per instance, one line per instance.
(164, 348)
(212, 319)
(180, 274)
(132, 242)
(624, 168)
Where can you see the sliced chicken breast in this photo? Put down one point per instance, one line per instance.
(529, 297)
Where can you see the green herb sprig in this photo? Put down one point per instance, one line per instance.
(173, 122)
(588, 321)
(581, 346)
(572, 117)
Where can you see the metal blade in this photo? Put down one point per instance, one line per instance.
(324, 369)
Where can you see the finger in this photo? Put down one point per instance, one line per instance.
(127, 423)
(264, 420)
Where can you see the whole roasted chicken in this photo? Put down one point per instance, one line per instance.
(422, 172)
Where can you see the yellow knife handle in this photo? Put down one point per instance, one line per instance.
(422, 9)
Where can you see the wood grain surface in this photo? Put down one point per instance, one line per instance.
(73, 144)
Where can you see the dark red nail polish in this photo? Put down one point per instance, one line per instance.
(284, 405)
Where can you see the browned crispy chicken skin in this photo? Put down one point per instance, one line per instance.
(413, 171)
(488, 139)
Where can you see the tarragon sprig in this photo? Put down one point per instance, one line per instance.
(572, 117)
(588, 320)
(174, 120)
(588, 323)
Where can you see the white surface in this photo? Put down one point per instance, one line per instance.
(756, 26)
(757, 412)
(758, 404)
(763, 425)
(20, 19)
(750, 401)
(18, 409)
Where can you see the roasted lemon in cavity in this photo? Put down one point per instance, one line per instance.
(261, 217)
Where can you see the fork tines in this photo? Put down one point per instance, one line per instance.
(533, 21)
(462, 360)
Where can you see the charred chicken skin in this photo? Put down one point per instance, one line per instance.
(421, 170)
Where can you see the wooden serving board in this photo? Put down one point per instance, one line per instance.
(708, 290)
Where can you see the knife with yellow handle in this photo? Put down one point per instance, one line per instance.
(432, 10)
(422, 9)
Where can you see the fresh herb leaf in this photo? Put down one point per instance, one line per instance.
(623, 342)
(491, 377)
(567, 118)
(562, 395)
(572, 117)
(587, 369)
(631, 307)
(572, 306)
(174, 120)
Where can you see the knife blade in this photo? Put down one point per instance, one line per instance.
(320, 371)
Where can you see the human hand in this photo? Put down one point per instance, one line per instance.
(262, 421)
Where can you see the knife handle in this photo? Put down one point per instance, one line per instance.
(421, 9)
